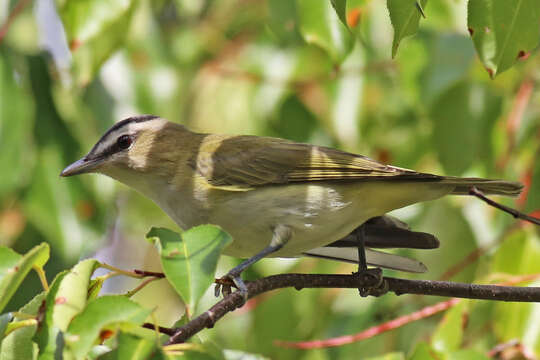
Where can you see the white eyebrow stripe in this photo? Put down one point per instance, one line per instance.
(128, 128)
(110, 140)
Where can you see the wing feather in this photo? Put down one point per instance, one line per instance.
(249, 161)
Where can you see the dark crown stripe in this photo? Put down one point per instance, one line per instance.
(134, 119)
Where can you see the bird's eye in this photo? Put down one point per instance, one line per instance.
(124, 142)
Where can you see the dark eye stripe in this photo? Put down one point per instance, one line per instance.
(122, 143)
(109, 137)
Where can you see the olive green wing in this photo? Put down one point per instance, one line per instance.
(248, 161)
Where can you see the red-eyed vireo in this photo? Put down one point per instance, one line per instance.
(275, 197)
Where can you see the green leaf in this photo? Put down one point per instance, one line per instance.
(503, 31)
(95, 287)
(14, 135)
(405, 16)
(18, 345)
(103, 312)
(48, 336)
(422, 351)
(66, 297)
(449, 334)
(518, 254)
(133, 347)
(533, 197)
(463, 118)
(12, 277)
(189, 259)
(8, 260)
(94, 29)
(320, 25)
(86, 19)
(340, 6)
(4, 321)
(389, 356)
(467, 354)
(449, 60)
(283, 21)
(71, 297)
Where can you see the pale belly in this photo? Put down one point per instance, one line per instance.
(317, 214)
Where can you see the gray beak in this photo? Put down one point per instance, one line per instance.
(80, 167)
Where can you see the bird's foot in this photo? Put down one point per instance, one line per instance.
(225, 284)
(378, 286)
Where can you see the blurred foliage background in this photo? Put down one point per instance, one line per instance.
(291, 69)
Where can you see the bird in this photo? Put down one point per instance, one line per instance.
(275, 197)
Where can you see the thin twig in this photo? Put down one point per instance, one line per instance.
(398, 286)
(515, 213)
(139, 287)
(145, 273)
(161, 329)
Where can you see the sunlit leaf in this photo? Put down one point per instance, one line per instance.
(104, 312)
(71, 297)
(405, 16)
(94, 29)
(189, 259)
(66, 297)
(13, 276)
(503, 31)
(330, 33)
(86, 19)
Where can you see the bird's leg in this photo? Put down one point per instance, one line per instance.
(280, 237)
(364, 274)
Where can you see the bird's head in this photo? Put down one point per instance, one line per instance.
(137, 146)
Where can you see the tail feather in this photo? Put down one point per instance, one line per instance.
(487, 186)
(374, 258)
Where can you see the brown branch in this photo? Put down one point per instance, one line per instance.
(161, 329)
(398, 286)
